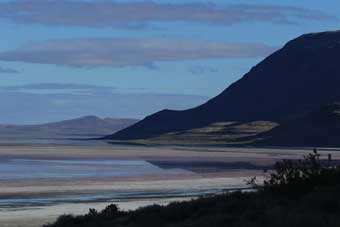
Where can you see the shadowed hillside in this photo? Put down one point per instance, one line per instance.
(318, 128)
(301, 77)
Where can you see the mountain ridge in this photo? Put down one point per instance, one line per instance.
(288, 84)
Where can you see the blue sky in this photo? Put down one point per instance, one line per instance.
(157, 47)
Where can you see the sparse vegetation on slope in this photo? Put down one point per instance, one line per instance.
(220, 133)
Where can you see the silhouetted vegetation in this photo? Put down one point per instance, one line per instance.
(301, 193)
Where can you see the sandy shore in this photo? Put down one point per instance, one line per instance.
(39, 215)
(201, 176)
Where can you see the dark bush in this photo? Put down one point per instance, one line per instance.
(295, 178)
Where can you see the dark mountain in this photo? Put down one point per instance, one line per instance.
(318, 128)
(301, 77)
(84, 127)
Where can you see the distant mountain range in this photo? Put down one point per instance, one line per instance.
(80, 128)
(40, 103)
(284, 89)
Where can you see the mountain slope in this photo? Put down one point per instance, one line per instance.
(299, 78)
(84, 127)
(318, 128)
(215, 134)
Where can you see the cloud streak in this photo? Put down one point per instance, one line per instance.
(8, 71)
(200, 69)
(118, 52)
(57, 88)
(140, 14)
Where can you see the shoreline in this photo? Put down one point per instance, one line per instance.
(199, 175)
(37, 216)
(121, 189)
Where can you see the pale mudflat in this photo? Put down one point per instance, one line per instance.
(130, 176)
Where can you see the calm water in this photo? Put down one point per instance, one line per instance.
(4, 203)
(17, 169)
(35, 169)
(39, 168)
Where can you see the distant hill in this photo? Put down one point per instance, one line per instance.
(299, 78)
(84, 127)
(318, 128)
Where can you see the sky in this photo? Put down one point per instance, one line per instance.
(60, 53)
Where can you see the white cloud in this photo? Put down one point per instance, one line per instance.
(118, 52)
(140, 14)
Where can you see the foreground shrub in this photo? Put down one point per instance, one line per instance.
(295, 178)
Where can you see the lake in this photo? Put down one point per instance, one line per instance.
(49, 168)
(40, 182)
